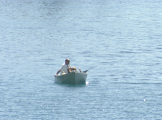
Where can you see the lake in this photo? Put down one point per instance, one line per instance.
(120, 39)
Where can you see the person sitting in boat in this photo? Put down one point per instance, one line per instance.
(65, 68)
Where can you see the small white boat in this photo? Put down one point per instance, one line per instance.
(72, 78)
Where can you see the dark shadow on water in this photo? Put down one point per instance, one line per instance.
(72, 85)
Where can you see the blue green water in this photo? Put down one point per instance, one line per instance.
(121, 38)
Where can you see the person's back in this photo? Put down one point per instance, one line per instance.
(65, 68)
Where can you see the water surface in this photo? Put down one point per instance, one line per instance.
(121, 38)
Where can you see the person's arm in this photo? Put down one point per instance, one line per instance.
(58, 72)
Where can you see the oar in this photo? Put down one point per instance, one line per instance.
(89, 69)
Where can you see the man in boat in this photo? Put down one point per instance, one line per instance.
(65, 68)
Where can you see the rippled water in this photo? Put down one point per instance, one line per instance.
(121, 38)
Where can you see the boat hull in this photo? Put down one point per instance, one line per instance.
(72, 78)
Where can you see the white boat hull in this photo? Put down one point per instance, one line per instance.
(72, 78)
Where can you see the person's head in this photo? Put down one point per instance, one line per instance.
(67, 61)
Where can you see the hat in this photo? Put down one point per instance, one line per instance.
(67, 59)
